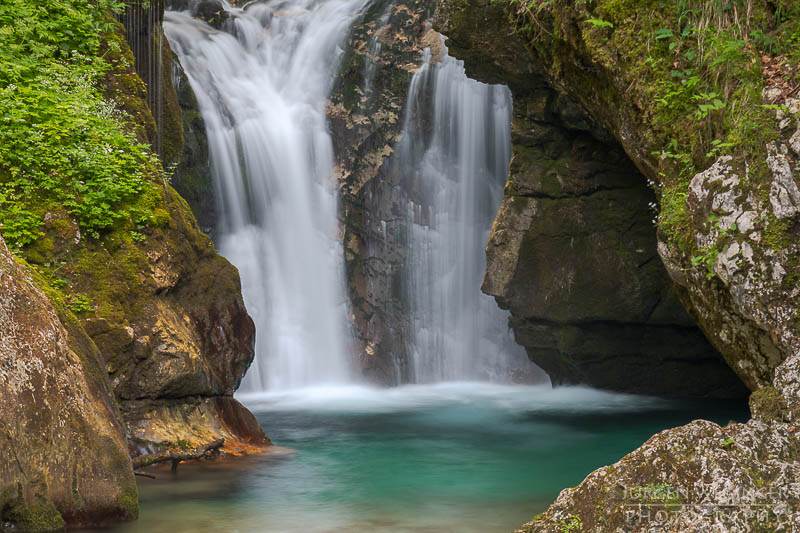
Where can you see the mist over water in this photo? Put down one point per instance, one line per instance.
(466, 457)
(261, 83)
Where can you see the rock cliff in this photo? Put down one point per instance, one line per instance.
(572, 253)
(712, 132)
(365, 114)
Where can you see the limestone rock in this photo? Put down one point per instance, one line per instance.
(63, 453)
(699, 477)
(573, 250)
(784, 196)
(191, 422)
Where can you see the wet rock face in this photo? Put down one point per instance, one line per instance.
(192, 178)
(366, 119)
(572, 252)
(63, 456)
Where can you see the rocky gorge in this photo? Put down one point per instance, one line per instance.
(725, 237)
(644, 244)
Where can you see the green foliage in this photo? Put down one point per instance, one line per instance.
(726, 443)
(599, 23)
(79, 304)
(707, 256)
(571, 524)
(62, 143)
(689, 72)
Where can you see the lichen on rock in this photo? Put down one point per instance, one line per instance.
(741, 477)
(63, 452)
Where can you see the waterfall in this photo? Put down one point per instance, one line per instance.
(455, 153)
(261, 80)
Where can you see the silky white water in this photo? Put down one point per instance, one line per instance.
(457, 140)
(261, 84)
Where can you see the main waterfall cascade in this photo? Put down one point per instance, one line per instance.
(262, 80)
(457, 141)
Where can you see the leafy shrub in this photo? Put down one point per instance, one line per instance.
(61, 143)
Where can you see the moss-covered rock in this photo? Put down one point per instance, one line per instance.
(705, 115)
(192, 178)
(142, 299)
(700, 476)
(572, 253)
(63, 452)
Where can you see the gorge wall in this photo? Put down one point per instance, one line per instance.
(726, 220)
(573, 252)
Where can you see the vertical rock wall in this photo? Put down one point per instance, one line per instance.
(573, 252)
(366, 118)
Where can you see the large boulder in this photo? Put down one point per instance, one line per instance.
(699, 477)
(63, 453)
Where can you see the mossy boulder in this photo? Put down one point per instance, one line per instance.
(63, 451)
(740, 477)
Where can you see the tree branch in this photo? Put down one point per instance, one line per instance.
(176, 456)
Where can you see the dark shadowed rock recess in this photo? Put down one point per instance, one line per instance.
(572, 252)
(726, 238)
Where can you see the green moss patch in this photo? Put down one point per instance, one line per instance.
(691, 74)
(62, 142)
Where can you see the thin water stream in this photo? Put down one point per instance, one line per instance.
(455, 151)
